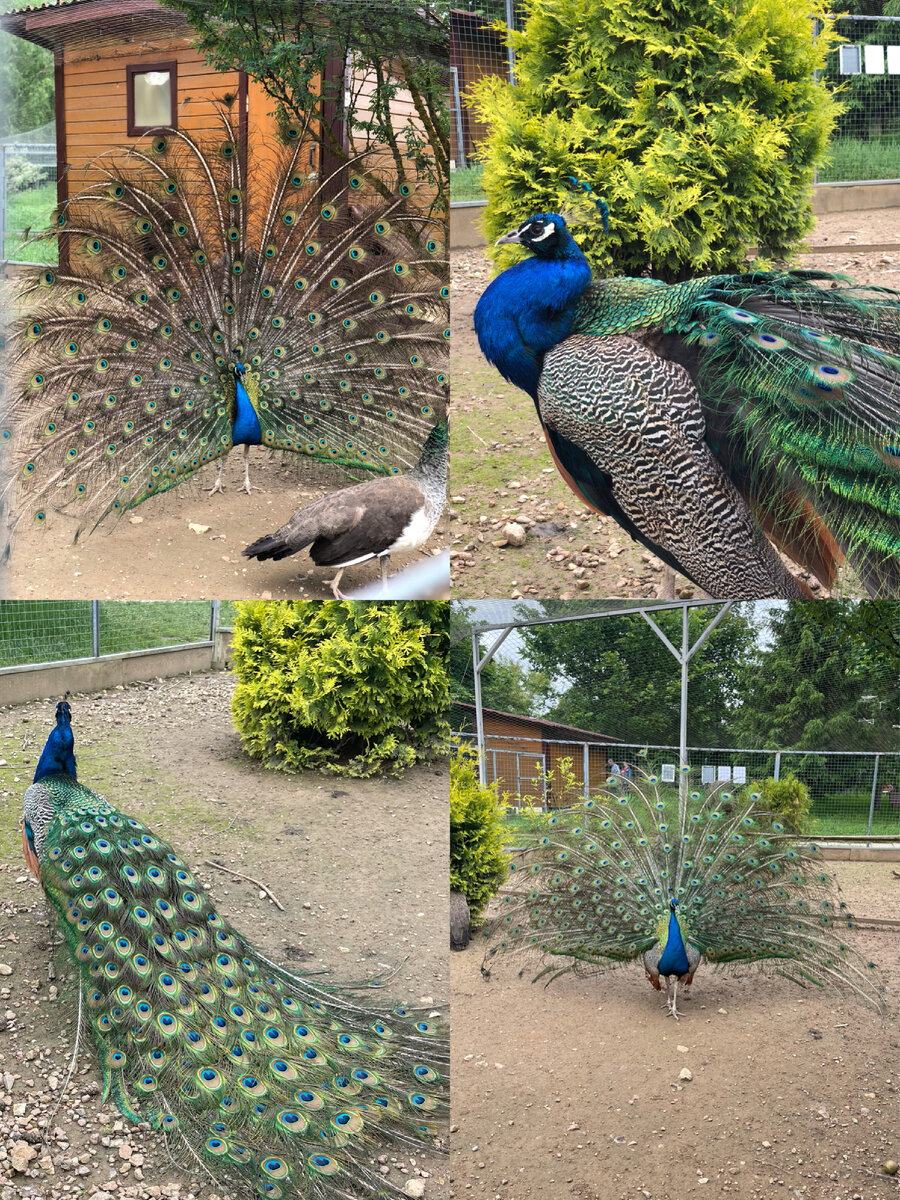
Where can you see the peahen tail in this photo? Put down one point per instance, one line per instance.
(595, 890)
(178, 266)
(282, 1085)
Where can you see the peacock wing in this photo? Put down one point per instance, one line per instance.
(801, 387)
(272, 1077)
(626, 425)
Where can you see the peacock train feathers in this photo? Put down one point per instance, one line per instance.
(198, 307)
(714, 417)
(673, 882)
(282, 1085)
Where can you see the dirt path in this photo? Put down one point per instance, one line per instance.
(153, 554)
(501, 470)
(574, 1090)
(359, 865)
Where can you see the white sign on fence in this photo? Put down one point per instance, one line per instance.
(724, 775)
(667, 773)
(739, 775)
(707, 774)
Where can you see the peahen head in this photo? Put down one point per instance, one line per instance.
(546, 235)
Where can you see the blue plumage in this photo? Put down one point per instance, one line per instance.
(529, 309)
(674, 959)
(58, 755)
(246, 429)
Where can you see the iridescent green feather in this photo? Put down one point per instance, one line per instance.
(281, 1083)
(119, 380)
(594, 890)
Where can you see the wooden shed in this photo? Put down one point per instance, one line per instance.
(522, 751)
(125, 66)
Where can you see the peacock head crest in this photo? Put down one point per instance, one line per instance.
(544, 234)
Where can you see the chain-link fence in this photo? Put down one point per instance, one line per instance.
(27, 194)
(36, 632)
(852, 794)
(864, 68)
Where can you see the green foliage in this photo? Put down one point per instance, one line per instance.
(478, 865)
(346, 687)
(787, 798)
(506, 684)
(699, 121)
(26, 85)
(395, 50)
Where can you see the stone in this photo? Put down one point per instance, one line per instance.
(514, 534)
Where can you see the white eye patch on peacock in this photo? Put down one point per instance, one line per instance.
(538, 231)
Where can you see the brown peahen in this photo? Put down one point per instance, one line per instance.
(283, 1085)
(673, 880)
(197, 308)
(715, 417)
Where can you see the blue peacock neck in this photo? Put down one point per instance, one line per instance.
(245, 427)
(58, 755)
(529, 309)
(674, 959)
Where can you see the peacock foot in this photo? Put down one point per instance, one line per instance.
(216, 487)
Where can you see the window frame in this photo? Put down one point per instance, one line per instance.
(133, 69)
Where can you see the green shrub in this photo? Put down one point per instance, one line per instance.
(700, 123)
(478, 865)
(343, 686)
(787, 798)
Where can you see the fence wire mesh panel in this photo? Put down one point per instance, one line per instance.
(27, 195)
(477, 49)
(53, 631)
(852, 794)
(865, 69)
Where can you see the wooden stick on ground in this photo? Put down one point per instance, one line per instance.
(239, 875)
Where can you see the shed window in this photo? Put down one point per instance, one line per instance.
(151, 97)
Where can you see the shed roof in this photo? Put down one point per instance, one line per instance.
(551, 729)
(53, 22)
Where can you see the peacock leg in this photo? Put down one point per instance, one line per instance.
(246, 486)
(217, 486)
(333, 584)
(666, 590)
(384, 571)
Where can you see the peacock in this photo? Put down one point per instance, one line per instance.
(373, 519)
(199, 306)
(674, 880)
(280, 1084)
(715, 417)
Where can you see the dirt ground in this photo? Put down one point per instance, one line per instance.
(153, 554)
(501, 470)
(574, 1090)
(359, 865)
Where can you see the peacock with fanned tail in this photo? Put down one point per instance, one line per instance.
(282, 1085)
(637, 874)
(199, 307)
(715, 417)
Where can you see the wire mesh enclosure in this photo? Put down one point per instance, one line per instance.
(52, 631)
(865, 69)
(27, 195)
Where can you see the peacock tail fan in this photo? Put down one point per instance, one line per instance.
(593, 891)
(120, 379)
(279, 1083)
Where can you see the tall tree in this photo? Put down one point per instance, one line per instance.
(26, 85)
(701, 123)
(619, 677)
(394, 50)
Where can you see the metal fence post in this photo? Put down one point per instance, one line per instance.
(95, 628)
(510, 53)
(215, 609)
(874, 794)
(777, 775)
(2, 204)
(461, 160)
(586, 767)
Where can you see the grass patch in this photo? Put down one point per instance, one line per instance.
(36, 631)
(30, 209)
(465, 183)
(862, 158)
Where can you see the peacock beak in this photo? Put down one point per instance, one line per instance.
(509, 239)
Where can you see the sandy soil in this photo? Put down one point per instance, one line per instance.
(501, 470)
(359, 865)
(574, 1090)
(153, 554)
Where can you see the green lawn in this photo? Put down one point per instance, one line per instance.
(30, 209)
(862, 158)
(35, 631)
(465, 184)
